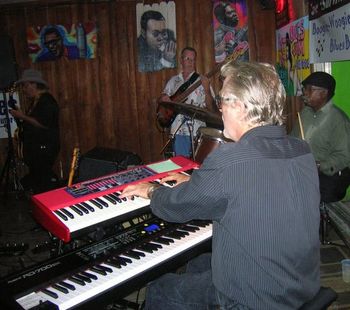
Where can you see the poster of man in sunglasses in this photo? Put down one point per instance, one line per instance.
(55, 45)
(156, 40)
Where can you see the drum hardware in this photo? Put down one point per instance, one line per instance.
(192, 112)
(207, 140)
(190, 123)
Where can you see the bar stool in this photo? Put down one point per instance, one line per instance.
(323, 299)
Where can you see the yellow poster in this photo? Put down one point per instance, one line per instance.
(292, 62)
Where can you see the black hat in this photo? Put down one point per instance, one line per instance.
(321, 79)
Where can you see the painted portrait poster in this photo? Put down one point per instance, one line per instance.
(52, 42)
(292, 42)
(230, 22)
(156, 36)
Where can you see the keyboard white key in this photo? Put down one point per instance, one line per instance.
(100, 215)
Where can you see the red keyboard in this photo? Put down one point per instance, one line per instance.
(73, 211)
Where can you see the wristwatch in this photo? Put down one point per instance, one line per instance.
(151, 190)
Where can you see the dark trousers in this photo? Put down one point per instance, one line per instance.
(333, 188)
(192, 290)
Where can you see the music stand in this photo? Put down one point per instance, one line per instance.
(9, 168)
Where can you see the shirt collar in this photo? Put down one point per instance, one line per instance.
(326, 107)
(188, 76)
(271, 131)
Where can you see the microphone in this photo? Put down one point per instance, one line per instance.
(12, 102)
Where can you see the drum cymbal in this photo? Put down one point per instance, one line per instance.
(193, 112)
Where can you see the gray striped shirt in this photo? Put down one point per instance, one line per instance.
(262, 194)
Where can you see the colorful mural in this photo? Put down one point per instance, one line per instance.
(293, 55)
(230, 22)
(52, 42)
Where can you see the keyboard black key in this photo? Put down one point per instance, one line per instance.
(82, 208)
(125, 199)
(87, 206)
(76, 280)
(193, 226)
(145, 248)
(134, 254)
(50, 293)
(60, 288)
(89, 275)
(103, 203)
(183, 233)
(96, 203)
(115, 196)
(61, 215)
(67, 285)
(155, 245)
(175, 234)
(76, 210)
(141, 254)
(189, 228)
(110, 199)
(163, 240)
(83, 278)
(98, 270)
(113, 262)
(149, 247)
(66, 212)
(123, 260)
(105, 268)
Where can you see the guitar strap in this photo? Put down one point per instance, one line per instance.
(187, 84)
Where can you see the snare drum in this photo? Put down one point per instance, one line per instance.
(207, 140)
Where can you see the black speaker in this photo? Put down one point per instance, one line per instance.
(102, 161)
(8, 66)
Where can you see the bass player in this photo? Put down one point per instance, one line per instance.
(181, 127)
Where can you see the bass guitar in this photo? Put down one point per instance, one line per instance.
(165, 115)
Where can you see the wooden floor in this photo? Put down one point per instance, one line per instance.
(24, 243)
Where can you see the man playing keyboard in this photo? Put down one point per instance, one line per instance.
(261, 193)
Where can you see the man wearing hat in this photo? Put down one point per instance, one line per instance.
(327, 130)
(39, 132)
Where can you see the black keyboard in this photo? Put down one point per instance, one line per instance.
(108, 269)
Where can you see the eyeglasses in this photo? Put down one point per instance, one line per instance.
(52, 43)
(189, 59)
(220, 100)
(310, 88)
(162, 34)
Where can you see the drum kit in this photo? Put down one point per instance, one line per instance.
(207, 138)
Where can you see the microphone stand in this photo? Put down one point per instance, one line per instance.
(190, 126)
(172, 135)
(10, 163)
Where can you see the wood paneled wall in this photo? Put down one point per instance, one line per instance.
(106, 101)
